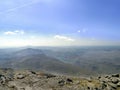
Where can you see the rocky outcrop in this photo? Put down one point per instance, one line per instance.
(31, 80)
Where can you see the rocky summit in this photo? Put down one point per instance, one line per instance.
(31, 80)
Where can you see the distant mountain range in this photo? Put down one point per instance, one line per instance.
(35, 59)
(102, 60)
(84, 61)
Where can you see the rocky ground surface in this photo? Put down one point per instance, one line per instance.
(30, 80)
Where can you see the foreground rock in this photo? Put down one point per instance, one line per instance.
(30, 80)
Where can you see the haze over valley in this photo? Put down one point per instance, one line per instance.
(63, 60)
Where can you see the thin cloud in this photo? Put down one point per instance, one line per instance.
(84, 30)
(16, 32)
(63, 38)
(24, 5)
(9, 33)
(79, 31)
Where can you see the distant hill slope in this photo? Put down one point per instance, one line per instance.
(27, 52)
(75, 60)
(35, 59)
(102, 60)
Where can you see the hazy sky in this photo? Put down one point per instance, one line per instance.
(59, 22)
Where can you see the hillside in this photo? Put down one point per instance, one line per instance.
(35, 59)
(102, 60)
(64, 60)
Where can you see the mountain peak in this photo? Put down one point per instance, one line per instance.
(29, 51)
